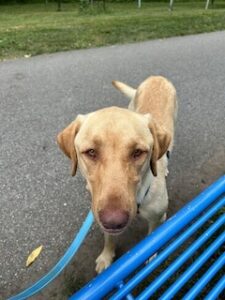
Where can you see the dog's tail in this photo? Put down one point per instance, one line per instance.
(127, 90)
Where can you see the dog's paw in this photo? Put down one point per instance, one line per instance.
(103, 261)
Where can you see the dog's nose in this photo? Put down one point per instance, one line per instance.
(113, 219)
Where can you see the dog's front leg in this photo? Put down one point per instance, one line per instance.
(153, 224)
(106, 257)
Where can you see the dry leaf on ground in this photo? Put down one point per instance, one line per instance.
(34, 254)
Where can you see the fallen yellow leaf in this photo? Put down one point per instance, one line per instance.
(34, 254)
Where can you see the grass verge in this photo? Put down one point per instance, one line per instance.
(39, 28)
(36, 29)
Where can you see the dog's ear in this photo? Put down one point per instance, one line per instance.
(161, 142)
(65, 140)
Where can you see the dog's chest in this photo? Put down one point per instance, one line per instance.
(144, 188)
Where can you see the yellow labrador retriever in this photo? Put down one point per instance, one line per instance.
(122, 155)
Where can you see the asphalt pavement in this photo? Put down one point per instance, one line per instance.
(40, 203)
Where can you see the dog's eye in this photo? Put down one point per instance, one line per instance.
(91, 153)
(137, 153)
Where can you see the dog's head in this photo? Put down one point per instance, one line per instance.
(113, 148)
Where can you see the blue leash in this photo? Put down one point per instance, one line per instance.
(61, 264)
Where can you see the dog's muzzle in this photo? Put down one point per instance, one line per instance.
(113, 221)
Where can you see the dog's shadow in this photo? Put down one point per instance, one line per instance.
(134, 233)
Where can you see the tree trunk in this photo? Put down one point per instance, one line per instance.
(59, 5)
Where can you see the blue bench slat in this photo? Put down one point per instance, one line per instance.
(125, 265)
(216, 290)
(175, 287)
(175, 265)
(143, 273)
(201, 283)
(128, 296)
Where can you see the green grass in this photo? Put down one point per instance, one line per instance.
(39, 28)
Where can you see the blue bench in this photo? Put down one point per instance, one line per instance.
(190, 259)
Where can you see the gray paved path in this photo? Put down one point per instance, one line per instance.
(39, 202)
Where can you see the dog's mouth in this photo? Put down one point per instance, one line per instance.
(113, 231)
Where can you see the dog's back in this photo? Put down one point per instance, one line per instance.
(157, 96)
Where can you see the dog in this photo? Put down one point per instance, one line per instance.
(123, 155)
